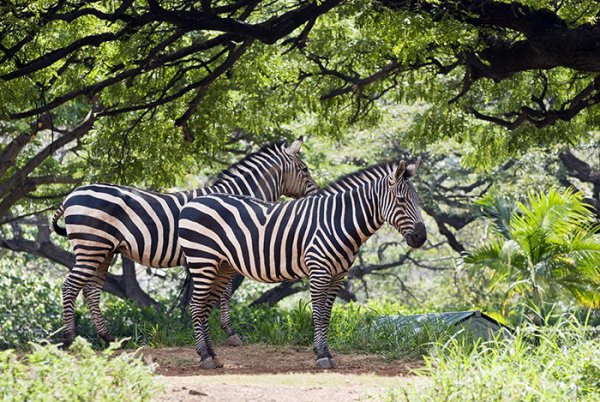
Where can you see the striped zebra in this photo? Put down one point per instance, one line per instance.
(103, 219)
(317, 237)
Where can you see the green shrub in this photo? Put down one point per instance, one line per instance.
(555, 363)
(50, 374)
(30, 306)
(146, 326)
(31, 310)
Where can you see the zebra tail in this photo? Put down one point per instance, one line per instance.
(59, 230)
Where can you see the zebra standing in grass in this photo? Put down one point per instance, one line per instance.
(317, 236)
(104, 219)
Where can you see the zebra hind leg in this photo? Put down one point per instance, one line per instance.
(91, 292)
(203, 277)
(76, 280)
(219, 286)
(233, 339)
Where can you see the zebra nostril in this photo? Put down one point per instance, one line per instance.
(418, 236)
(415, 241)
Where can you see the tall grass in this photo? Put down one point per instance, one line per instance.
(50, 374)
(560, 362)
(353, 328)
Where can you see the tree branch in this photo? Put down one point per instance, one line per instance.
(17, 185)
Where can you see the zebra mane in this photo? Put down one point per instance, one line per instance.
(364, 175)
(233, 169)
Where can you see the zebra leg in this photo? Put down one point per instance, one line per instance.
(92, 291)
(320, 281)
(76, 280)
(219, 286)
(203, 277)
(203, 348)
(336, 284)
(233, 339)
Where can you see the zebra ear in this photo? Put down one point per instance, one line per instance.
(412, 169)
(295, 147)
(398, 173)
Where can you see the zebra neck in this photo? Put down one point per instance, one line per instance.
(372, 194)
(262, 184)
(360, 214)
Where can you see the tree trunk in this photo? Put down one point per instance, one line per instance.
(129, 283)
(274, 295)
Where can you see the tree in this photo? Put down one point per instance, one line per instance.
(143, 93)
(142, 73)
(547, 247)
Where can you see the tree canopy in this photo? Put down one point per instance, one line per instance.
(202, 70)
(146, 92)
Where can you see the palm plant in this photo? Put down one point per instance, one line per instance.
(547, 247)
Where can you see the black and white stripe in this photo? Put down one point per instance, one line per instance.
(103, 219)
(317, 237)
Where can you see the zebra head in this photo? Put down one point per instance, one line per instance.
(401, 206)
(297, 181)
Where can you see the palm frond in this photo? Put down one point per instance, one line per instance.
(550, 244)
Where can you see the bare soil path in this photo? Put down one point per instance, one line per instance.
(276, 373)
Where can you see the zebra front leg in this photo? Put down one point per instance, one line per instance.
(336, 284)
(92, 291)
(233, 339)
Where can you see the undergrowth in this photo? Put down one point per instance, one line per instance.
(81, 374)
(353, 328)
(559, 362)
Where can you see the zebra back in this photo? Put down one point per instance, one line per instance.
(104, 218)
(275, 242)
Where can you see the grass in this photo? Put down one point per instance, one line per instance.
(48, 373)
(353, 328)
(554, 363)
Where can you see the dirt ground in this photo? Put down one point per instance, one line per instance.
(276, 373)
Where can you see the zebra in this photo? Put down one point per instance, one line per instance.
(318, 236)
(104, 219)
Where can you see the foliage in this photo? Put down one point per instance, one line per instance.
(256, 72)
(31, 310)
(554, 363)
(353, 328)
(550, 246)
(48, 373)
(30, 305)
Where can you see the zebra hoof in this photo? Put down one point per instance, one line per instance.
(332, 362)
(209, 363)
(107, 338)
(234, 340)
(324, 363)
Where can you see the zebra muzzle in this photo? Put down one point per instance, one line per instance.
(418, 236)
